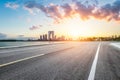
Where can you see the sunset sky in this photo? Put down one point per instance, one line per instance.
(30, 18)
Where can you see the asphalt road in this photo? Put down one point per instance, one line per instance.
(68, 61)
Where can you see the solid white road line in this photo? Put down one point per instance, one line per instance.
(94, 64)
(13, 62)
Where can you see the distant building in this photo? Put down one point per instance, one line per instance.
(50, 35)
(45, 37)
(55, 37)
(41, 38)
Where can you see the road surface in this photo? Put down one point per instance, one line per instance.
(68, 61)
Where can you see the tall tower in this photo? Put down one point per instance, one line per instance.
(41, 38)
(50, 35)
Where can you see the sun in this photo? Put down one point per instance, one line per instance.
(74, 33)
(74, 27)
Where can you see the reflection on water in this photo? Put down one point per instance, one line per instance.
(12, 44)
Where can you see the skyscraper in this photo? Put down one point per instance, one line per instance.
(45, 36)
(50, 35)
(41, 38)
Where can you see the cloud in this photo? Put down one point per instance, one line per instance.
(11, 5)
(30, 10)
(31, 7)
(3, 36)
(68, 11)
(58, 12)
(50, 11)
(110, 11)
(35, 27)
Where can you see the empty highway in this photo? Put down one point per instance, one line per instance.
(66, 61)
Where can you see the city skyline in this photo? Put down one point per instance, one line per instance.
(51, 36)
(30, 18)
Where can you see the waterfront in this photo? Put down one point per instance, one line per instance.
(16, 44)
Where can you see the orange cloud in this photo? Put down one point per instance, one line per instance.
(59, 12)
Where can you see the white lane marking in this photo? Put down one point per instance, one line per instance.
(20, 60)
(115, 45)
(94, 64)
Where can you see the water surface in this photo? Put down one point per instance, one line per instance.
(16, 44)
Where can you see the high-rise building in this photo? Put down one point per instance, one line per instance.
(50, 35)
(45, 36)
(41, 38)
